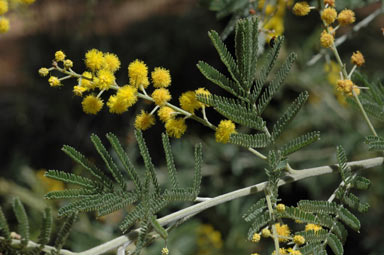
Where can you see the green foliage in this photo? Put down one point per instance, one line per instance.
(250, 90)
(109, 192)
(11, 245)
(64, 231)
(375, 143)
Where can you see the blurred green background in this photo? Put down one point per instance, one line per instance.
(36, 120)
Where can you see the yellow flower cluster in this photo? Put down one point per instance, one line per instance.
(224, 131)
(274, 17)
(209, 240)
(4, 8)
(313, 227)
(347, 87)
(283, 231)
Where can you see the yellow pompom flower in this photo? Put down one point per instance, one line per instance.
(161, 78)
(105, 79)
(346, 17)
(224, 131)
(27, 1)
(79, 90)
(59, 56)
(3, 7)
(94, 59)
(4, 25)
(282, 251)
(313, 227)
(54, 81)
(326, 39)
(43, 72)
(92, 104)
(86, 81)
(164, 251)
(301, 9)
(117, 105)
(265, 233)
(357, 58)
(138, 73)
(188, 102)
(161, 96)
(144, 120)
(68, 63)
(165, 113)
(329, 2)
(112, 62)
(255, 238)
(299, 240)
(203, 92)
(128, 94)
(282, 231)
(329, 15)
(347, 87)
(175, 127)
(280, 207)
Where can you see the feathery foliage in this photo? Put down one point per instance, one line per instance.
(109, 192)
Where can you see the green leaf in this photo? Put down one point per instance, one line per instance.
(299, 215)
(318, 206)
(225, 56)
(375, 143)
(312, 249)
(128, 166)
(276, 83)
(253, 141)
(312, 236)
(64, 231)
(255, 210)
(234, 110)
(158, 228)
(197, 173)
(147, 159)
(170, 162)
(300, 142)
(46, 227)
(349, 219)
(116, 203)
(258, 223)
(344, 169)
(335, 244)
(219, 79)
(70, 178)
(179, 194)
(69, 193)
(290, 113)
(362, 183)
(22, 219)
(112, 167)
(4, 228)
(354, 202)
(81, 159)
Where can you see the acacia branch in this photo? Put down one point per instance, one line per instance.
(293, 176)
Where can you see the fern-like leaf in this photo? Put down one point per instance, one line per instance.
(112, 167)
(170, 162)
(64, 231)
(69, 193)
(46, 227)
(354, 202)
(81, 159)
(312, 236)
(335, 244)
(258, 223)
(219, 79)
(4, 228)
(255, 210)
(179, 194)
(362, 183)
(313, 249)
(344, 169)
(116, 203)
(158, 228)
(375, 143)
(147, 159)
(291, 112)
(276, 83)
(197, 167)
(300, 142)
(22, 219)
(225, 56)
(349, 219)
(124, 160)
(70, 178)
(299, 215)
(234, 110)
(318, 206)
(246, 140)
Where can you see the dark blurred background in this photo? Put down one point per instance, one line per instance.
(36, 120)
